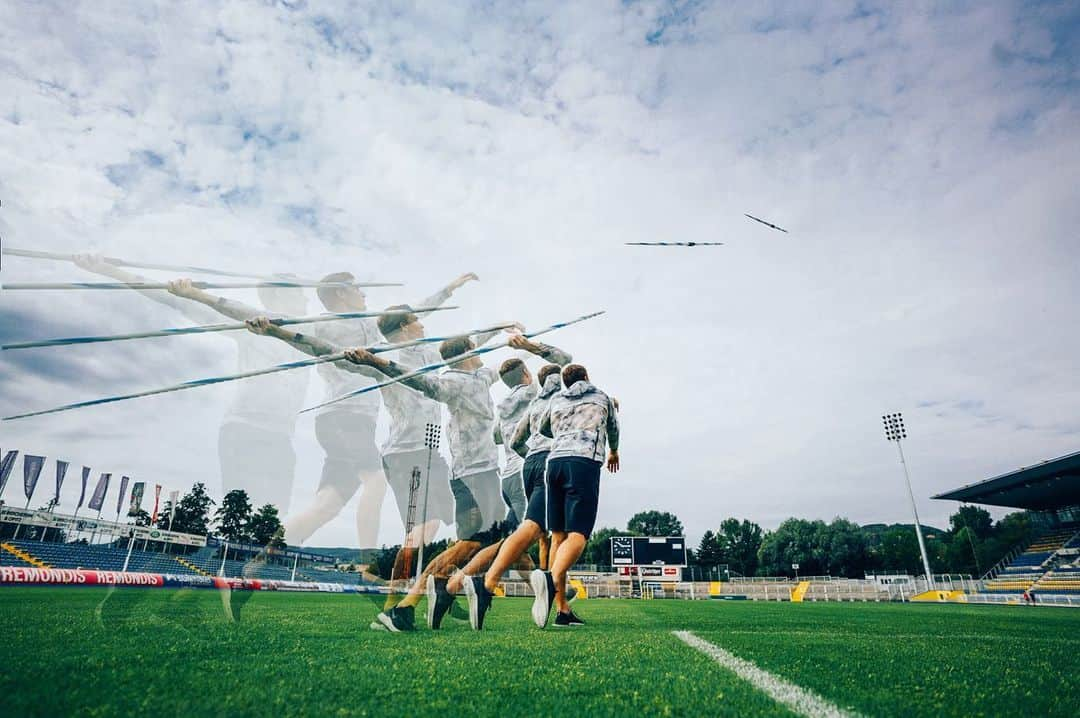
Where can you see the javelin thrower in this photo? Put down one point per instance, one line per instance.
(255, 439)
(465, 389)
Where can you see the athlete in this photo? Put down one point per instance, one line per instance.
(255, 439)
(582, 422)
(465, 389)
(408, 419)
(525, 442)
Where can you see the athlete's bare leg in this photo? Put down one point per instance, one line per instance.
(569, 552)
(515, 545)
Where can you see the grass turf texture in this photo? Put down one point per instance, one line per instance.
(172, 653)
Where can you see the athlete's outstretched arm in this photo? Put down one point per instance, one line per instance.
(306, 343)
(429, 386)
(553, 354)
(439, 297)
(229, 307)
(96, 264)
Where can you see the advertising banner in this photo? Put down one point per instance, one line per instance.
(157, 498)
(6, 466)
(61, 470)
(136, 496)
(102, 488)
(85, 479)
(66, 576)
(31, 471)
(122, 494)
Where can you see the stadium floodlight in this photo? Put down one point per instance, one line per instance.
(432, 434)
(896, 431)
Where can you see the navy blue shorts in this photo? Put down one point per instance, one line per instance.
(532, 475)
(573, 493)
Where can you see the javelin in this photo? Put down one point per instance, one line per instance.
(197, 285)
(116, 261)
(767, 224)
(336, 356)
(223, 327)
(455, 360)
(673, 244)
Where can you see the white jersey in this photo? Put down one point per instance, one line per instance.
(410, 411)
(271, 401)
(347, 334)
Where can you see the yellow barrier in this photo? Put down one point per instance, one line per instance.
(941, 597)
(799, 591)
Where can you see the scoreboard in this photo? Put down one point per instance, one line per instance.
(648, 551)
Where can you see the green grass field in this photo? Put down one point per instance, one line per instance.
(172, 653)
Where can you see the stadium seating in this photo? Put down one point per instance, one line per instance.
(1040, 568)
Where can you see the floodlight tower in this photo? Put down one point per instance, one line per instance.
(895, 431)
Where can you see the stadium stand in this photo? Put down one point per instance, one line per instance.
(204, 562)
(1033, 568)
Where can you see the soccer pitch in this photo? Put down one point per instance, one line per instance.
(169, 652)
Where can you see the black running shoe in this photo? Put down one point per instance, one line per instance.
(479, 601)
(544, 589)
(439, 601)
(397, 619)
(568, 619)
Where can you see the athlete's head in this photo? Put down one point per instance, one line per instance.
(290, 302)
(457, 346)
(513, 372)
(546, 371)
(401, 327)
(572, 374)
(342, 299)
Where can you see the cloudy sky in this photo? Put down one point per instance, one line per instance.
(924, 156)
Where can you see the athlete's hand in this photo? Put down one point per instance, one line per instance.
(519, 341)
(92, 263)
(464, 279)
(615, 403)
(182, 288)
(258, 325)
(613, 461)
(360, 356)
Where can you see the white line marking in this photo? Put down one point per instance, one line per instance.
(798, 699)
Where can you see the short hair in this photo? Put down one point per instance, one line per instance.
(454, 346)
(546, 371)
(327, 295)
(512, 371)
(390, 324)
(572, 374)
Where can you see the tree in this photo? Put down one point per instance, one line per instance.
(843, 549)
(192, 512)
(898, 550)
(265, 527)
(140, 516)
(974, 518)
(654, 523)
(738, 543)
(234, 518)
(793, 541)
(709, 553)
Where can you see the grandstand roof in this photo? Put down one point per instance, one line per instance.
(1053, 484)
